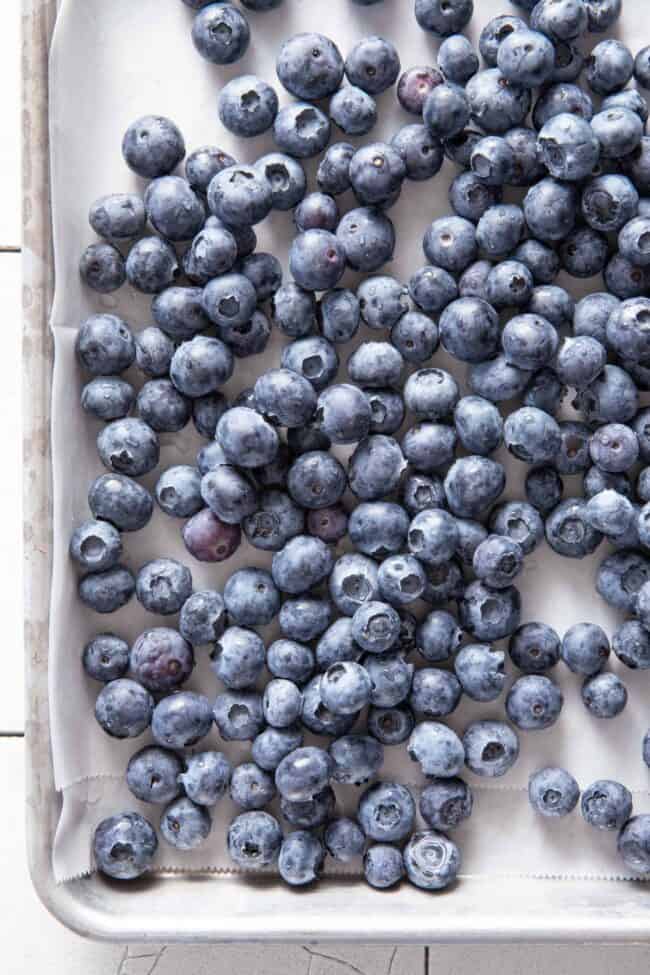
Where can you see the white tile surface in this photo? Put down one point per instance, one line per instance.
(32, 941)
(10, 195)
(11, 687)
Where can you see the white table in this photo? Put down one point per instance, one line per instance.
(32, 941)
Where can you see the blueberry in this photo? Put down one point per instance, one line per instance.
(611, 397)
(251, 597)
(391, 726)
(584, 253)
(152, 146)
(534, 648)
(532, 435)
(106, 657)
(450, 243)
(429, 446)
(391, 676)
(568, 531)
(526, 57)
(118, 216)
(446, 803)
(240, 196)
(606, 804)
(509, 284)
(333, 170)
(432, 860)
(480, 671)
(273, 744)
(375, 467)
(239, 655)
(152, 265)
(438, 636)
(206, 777)
(495, 103)
(489, 614)
(631, 644)
(491, 748)
(316, 260)
(344, 840)
(470, 535)
(202, 618)
(596, 480)
(550, 209)
(248, 106)
(238, 715)
(107, 591)
(415, 84)
(529, 341)
(276, 520)
(376, 364)
(251, 787)
(386, 408)
(437, 749)
(303, 773)
(500, 229)
(472, 485)
(282, 703)
(457, 59)
(353, 582)
(604, 695)
(102, 267)
(204, 163)
(181, 720)
(178, 491)
(200, 366)
(432, 393)
(375, 626)
(105, 345)
(497, 30)
(568, 147)
(634, 844)
(161, 406)
(610, 512)
(254, 840)
(401, 579)
(614, 447)
(356, 758)
(293, 310)
(305, 618)
(386, 812)
(120, 500)
(285, 176)
(434, 693)
(382, 301)
(317, 211)
(421, 152)
(220, 33)
(540, 259)
(353, 110)
(310, 66)
(609, 67)
(161, 659)
(339, 315)
(608, 202)
(620, 577)
(301, 130)
(473, 281)
(210, 538)
(163, 585)
(153, 352)
(534, 702)
(301, 858)
(124, 708)
(124, 846)
(152, 774)
(420, 491)
(317, 718)
(367, 237)
(179, 313)
(433, 536)
(314, 358)
(561, 98)
(520, 522)
(96, 546)
(468, 331)
(383, 866)
(585, 649)
(553, 792)
(637, 166)
(290, 660)
(309, 813)
(619, 132)
(446, 111)
(443, 17)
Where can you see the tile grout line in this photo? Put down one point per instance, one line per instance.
(12, 734)
(10, 249)
(426, 960)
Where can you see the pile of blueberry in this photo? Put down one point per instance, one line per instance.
(412, 518)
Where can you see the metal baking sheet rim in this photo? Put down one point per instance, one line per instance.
(480, 910)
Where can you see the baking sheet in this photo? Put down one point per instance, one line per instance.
(110, 64)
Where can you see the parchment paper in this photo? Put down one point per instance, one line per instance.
(110, 63)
